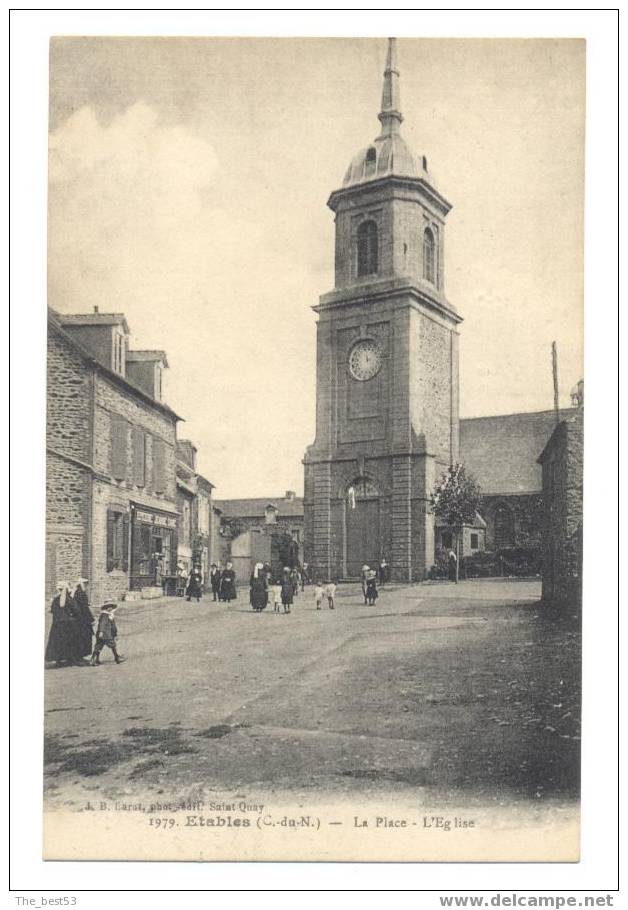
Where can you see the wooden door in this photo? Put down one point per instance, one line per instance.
(363, 546)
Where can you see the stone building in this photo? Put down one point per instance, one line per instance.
(562, 465)
(111, 491)
(197, 516)
(502, 454)
(387, 364)
(186, 498)
(258, 530)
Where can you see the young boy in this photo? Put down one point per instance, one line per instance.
(106, 634)
(318, 594)
(330, 590)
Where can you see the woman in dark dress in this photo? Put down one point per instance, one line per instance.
(259, 591)
(227, 583)
(287, 591)
(63, 641)
(85, 618)
(195, 584)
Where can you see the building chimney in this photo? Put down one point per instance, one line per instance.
(95, 309)
(290, 494)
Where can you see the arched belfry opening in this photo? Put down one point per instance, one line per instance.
(362, 525)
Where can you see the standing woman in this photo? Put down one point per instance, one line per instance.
(294, 577)
(195, 584)
(287, 590)
(259, 592)
(84, 616)
(227, 583)
(63, 640)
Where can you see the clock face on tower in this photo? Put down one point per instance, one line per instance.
(365, 360)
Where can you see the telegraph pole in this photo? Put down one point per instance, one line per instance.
(555, 378)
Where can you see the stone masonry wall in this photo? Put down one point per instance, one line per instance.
(68, 479)
(68, 400)
(562, 529)
(112, 493)
(111, 400)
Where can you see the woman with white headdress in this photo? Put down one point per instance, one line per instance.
(84, 616)
(63, 641)
(259, 588)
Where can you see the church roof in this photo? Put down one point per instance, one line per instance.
(389, 154)
(502, 451)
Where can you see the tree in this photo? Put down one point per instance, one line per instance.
(456, 500)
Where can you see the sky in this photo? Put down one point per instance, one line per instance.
(188, 181)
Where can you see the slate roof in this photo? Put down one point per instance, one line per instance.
(255, 508)
(502, 451)
(55, 325)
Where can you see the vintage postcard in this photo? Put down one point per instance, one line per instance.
(315, 407)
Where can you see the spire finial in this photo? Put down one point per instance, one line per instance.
(390, 115)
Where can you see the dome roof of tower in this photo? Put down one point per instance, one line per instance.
(387, 156)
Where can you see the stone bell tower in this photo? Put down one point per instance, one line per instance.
(387, 364)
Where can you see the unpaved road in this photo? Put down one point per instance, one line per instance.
(463, 695)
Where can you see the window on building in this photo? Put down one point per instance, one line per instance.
(139, 457)
(504, 532)
(429, 249)
(367, 248)
(118, 352)
(296, 534)
(119, 434)
(270, 515)
(117, 541)
(186, 526)
(474, 542)
(371, 160)
(159, 465)
(447, 540)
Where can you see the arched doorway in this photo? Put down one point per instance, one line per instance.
(362, 533)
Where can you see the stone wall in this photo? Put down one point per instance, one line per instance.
(109, 492)
(68, 477)
(114, 400)
(562, 463)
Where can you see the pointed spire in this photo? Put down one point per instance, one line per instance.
(390, 115)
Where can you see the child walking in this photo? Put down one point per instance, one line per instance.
(276, 592)
(106, 634)
(319, 593)
(371, 588)
(330, 591)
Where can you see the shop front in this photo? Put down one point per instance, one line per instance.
(153, 547)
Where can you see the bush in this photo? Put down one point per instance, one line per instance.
(440, 569)
(509, 561)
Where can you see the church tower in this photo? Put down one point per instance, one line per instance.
(387, 365)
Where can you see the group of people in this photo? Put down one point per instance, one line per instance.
(222, 581)
(280, 591)
(71, 637)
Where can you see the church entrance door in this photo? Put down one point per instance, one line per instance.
(362, 529)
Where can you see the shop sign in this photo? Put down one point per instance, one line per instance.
(162, 521)
(165, 522)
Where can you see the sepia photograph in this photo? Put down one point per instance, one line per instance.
(314, 449)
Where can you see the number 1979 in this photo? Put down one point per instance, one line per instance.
(162, 823)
